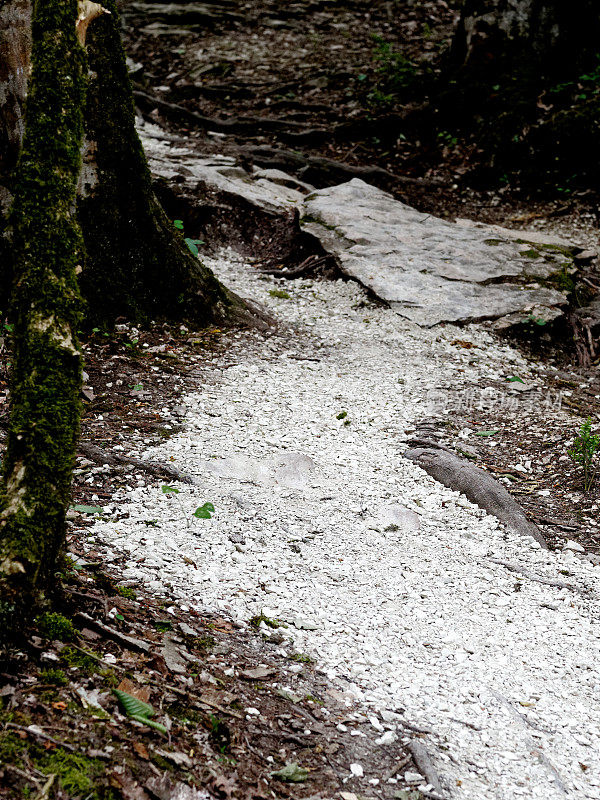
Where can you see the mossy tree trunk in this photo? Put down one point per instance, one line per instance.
(138, 265)
(46, 308)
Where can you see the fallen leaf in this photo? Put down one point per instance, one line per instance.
(140, 749)
(141, 692)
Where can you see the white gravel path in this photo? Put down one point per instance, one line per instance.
(417, 617)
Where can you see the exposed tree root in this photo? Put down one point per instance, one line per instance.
(165, 471)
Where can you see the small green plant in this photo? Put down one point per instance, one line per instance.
(204, 512)
(162, 625)
(536, 320)
(54, 626)
(397, 71)
(271, 623)
(77, 659)
(219, 733)
(192, 244)
(126, 591)
(280, 293)
(302, 658)
(54, 676)
(447, 139)
(583, 452)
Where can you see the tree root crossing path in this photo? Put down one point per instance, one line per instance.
(407, 595)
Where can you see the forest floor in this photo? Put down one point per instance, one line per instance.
(206, 671)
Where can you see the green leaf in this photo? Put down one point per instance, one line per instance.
(291, 773)
(486, 433)
(150, 722)
(169, 490)
(205, 512)
(178, 223)
(88, 509)
(193, 245)
(134, 707)
(514, 379)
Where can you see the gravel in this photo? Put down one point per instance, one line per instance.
(390, 581)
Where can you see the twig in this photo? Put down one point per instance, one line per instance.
(397, 767)
(131, 643)
(546, 581)
(425, 765)
(45, 790)
(37, 731)
(21, 773)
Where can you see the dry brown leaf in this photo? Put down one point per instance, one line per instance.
(140, 749)
(141, 692)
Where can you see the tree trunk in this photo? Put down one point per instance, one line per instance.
(514, 86)
(535, 40)
(15, 49)
(46, 306)
(138, 266)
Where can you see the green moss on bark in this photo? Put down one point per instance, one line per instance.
(45, 308)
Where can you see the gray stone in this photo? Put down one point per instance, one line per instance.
(574, 546)
(398, 517)
(292, 470)
(428, 269)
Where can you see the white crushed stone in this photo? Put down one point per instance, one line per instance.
(415, 619)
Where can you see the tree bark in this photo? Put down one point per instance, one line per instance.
(532, 39)
(46, 309)
(15, 49)
(138, 266)
(512, 83)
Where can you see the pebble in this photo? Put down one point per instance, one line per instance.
(574, 546)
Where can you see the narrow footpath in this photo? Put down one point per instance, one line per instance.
(403, 592)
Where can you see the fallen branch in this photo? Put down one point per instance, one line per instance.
(130, 642)
(546, 581)
(308, 266)
(99, 456)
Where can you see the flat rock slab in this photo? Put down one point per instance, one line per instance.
(427, 269)
(431, 270)
(292, 470)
